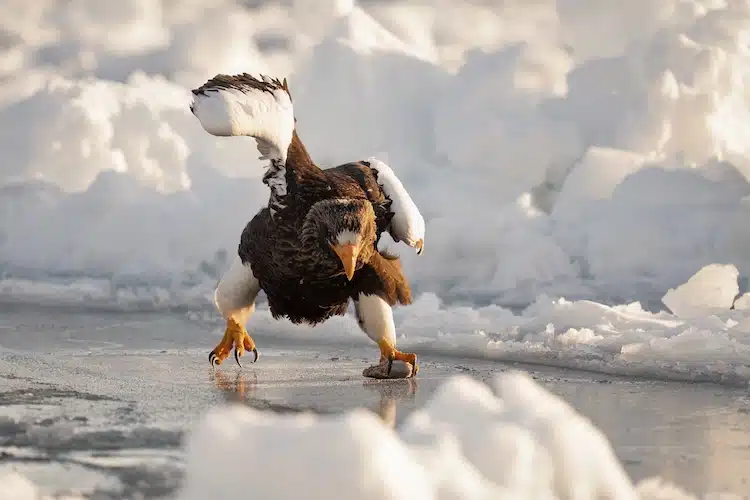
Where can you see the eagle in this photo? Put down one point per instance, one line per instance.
(314, 248)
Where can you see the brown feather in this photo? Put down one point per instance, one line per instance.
(242, 81)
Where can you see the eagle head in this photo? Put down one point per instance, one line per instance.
(346, 227)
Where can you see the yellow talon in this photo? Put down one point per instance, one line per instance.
(235, 336)
(389, 352)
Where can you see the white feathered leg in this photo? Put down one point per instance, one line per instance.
(235, 298)
(375, 317)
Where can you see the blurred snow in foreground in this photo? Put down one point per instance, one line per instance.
(511, 441)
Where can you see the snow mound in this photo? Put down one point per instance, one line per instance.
(589, 147)
(14, 486)
(512, 439)
(81, 126)
(711, 290)
(515, 440)
(743, 302)
(623, 339)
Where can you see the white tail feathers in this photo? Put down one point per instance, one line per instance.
(244, 105)
(407, 224)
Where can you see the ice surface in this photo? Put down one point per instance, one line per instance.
(55, 366)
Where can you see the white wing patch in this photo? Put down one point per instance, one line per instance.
(407, 224)
(259, 108)
(243, 105)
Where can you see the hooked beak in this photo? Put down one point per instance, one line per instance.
(348, 255)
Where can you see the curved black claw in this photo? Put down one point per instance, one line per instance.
(390, 365)
(212, 358)
(237, 356)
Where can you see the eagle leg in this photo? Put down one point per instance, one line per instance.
(375, 317)
(236, 337)
(389, 352)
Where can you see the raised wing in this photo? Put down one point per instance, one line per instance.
(244, 105)
(407, 224)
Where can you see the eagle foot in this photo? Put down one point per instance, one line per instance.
(390, 353)
(235, 337)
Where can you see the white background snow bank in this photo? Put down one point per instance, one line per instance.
(609, 164)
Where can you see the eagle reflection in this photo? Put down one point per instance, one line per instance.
(236, 388)
(392, 392)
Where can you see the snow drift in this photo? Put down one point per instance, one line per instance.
(469, 441)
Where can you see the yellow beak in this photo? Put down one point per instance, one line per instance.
(348, 255)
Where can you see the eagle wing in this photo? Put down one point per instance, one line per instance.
(244, 105)
(384, 189)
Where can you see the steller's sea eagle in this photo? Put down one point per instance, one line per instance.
(314, 247)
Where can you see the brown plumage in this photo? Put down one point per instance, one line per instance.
(300, 274)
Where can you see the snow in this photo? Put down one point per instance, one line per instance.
(511, 439)
(15, 486)
(514, 440)
(710, 291)
(585, 183)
